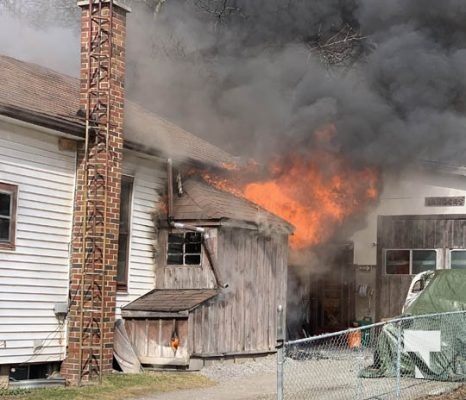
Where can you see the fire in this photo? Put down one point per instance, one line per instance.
(315, 191)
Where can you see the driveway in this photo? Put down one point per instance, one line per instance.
(260, 386)
(247, 380)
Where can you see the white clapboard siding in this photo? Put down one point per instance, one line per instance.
(149, 180)
(35, 275)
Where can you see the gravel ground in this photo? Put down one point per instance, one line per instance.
(237, 370)
(241, 380)
(458, 394)
(311, 379)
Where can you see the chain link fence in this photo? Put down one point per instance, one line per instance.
(404, 358)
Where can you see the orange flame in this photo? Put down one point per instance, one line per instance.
(313, 190)
(315, 196)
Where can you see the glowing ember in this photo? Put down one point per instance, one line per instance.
(315, 191)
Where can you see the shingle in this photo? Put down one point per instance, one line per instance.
(31, 88)
(202, 202)
(170, 300)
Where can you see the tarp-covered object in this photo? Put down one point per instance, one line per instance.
(432, 347)
(123, 350)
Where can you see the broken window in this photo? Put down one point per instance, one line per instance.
(410, 262)
(8, 198)
(184, 248)
(124, 232)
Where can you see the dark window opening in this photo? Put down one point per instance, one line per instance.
(458, 259)
(8, 199)
(184, 248)
(397, 262)
(124, 232)
(423, 260)
(410, 262)
(21, 372)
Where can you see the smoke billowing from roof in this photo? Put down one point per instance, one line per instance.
(257, 76)
(250, 76)
(38, 33)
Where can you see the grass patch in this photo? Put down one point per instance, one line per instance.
(116, 387)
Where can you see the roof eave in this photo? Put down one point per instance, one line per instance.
(284, 228)
(68, 128)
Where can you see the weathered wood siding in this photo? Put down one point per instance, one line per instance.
(34, 276)
(242, 318)
(151, 340)
(149, 180)
(411, 232)
(183, 277)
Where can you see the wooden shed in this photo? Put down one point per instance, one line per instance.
(221, 272)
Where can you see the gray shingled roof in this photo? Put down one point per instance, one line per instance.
(202, 202)
(39, 95)
(170, 300)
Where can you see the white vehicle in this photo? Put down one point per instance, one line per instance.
(418, 284)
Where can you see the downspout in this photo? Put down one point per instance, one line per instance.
(170, 190)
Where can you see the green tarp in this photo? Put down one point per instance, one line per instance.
(432, 347)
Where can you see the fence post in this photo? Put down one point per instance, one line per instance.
(398, 361)
(280, 351)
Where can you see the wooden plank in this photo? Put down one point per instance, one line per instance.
(167, 328)
(152, 347)
(441, 235)
(224, 259)
(429, 227)
(247, 291)
(165, 361)
(216, 327)
(205, 329)
(241, 290)
(198, 338)
(151, 314)
(262, 294)
(457, 233)
(233, 244)
(274, 287)
(139, 337)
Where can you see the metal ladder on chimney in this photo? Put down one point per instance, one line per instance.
(93, 281)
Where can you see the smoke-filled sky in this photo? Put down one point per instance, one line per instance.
(249, 78)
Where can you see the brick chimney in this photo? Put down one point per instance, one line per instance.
(91, 316)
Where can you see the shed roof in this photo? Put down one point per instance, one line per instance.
(171, 300)
(45, 97)
(201, 202)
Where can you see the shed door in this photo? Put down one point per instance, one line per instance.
(324, 300)
(332, 298)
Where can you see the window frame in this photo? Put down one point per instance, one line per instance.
(450, 252)
(12, 190)
(411, 250)
(122, 286)
(184, 253)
